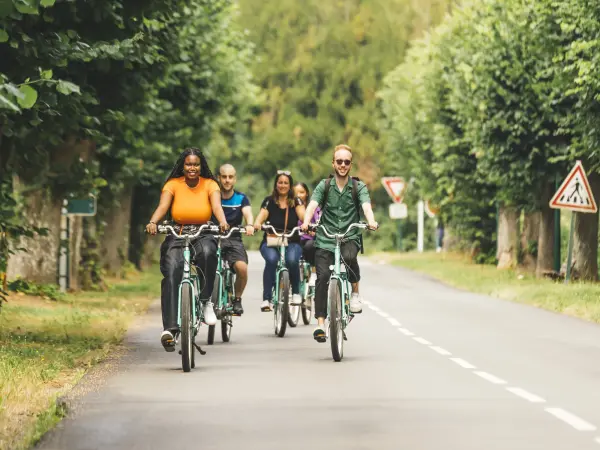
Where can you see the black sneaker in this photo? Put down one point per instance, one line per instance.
(238, 309)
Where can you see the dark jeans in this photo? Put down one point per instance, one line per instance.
(324, 259)
(271, 257)
(308, 251)
(203, 254)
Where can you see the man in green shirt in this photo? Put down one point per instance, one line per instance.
(337, 215)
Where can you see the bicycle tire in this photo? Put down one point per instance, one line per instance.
(214, 298)
(307, 313)
(187, 332)
(227, 321)
(294, 315)
(282, 309)
(336, 332)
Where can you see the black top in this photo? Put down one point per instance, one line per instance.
(277, 217)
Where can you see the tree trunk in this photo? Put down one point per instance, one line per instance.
(529, 239)
(545, 250)
(75, 242)
(585, 242)
(508, 237)
(90, 267)
(141, 246)
(39, 263)
(115, 236)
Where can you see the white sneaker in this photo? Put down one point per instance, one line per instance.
(209, 314)
(296, 300)
(355, 303)
(313, 280)
(265, 306)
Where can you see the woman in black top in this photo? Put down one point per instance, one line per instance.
(273, 210)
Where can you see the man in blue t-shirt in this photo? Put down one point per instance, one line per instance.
(236, 207)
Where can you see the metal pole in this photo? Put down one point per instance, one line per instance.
(420, 226)
(570, 250)
(557, 241)
(399, 243)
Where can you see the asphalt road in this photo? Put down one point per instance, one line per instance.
(426, 367)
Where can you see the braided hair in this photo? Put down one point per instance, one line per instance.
(205, 171)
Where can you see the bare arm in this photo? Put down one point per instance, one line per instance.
(249, 218)
(263, 215)
(217, 209)
(166, 198)
(308, 215)
(366, 207)
(300, 211)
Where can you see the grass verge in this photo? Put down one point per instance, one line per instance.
(576, 299)
(46, 346)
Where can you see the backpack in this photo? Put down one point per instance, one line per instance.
(355, 181)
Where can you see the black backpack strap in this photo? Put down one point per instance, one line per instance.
(325, 193)
(358, 208)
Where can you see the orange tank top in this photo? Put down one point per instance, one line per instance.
(191, 205)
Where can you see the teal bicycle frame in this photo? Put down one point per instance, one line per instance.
(188, 331)
(282, 284)
(224, 290)
(339, 285)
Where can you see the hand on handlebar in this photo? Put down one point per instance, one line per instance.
(224, 226)
(249, 230)
(151, 228)
(373, 226)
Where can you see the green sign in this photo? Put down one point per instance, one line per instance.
(82, 206)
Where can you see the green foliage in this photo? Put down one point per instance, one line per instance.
(50, 291)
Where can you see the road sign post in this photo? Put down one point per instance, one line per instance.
(575, 195)
(395, 187)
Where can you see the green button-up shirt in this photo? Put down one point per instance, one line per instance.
(340, 212)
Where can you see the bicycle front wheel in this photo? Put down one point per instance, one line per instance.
(214, 298)
(336, 326)
(282, 308)
(187, 328)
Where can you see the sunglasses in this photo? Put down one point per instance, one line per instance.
(345, 162)
(284, 172)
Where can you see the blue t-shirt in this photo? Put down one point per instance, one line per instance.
(233, 208)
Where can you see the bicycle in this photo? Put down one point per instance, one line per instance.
(306, 291)
(281, 290)
(191, 313)
(339, 315)
(224, 291)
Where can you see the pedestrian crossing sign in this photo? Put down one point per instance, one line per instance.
(575, 193)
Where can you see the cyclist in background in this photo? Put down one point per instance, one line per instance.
(345, 197)
(192, 196)
(237, 207)
(307, 240)
(275, 208)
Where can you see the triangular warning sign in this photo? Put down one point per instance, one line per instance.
(395, 187)
(575, 192)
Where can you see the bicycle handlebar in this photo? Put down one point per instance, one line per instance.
(166, 229)
(266, 227)
(360, 225)
(241, 230)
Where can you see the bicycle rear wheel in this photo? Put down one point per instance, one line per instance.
(187, 328)
(294, 315)
(227, 319)
(308, 297)
(283, 301)
(214, 298)
(336, 326)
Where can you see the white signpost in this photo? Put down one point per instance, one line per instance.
(395, 187)
(574, 194)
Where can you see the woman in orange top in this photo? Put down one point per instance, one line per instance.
(193, 196)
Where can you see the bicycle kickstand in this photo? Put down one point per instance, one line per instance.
(202, 352)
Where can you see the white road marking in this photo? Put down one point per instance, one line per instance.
(597, 440)
(406, 332)
(420, 340)
(394, 322)
(489, 377)
(367, 302)
(576, 422)
(440, 350)
(374, 308)
(383, 314)
(526, 395)
(463, 363)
